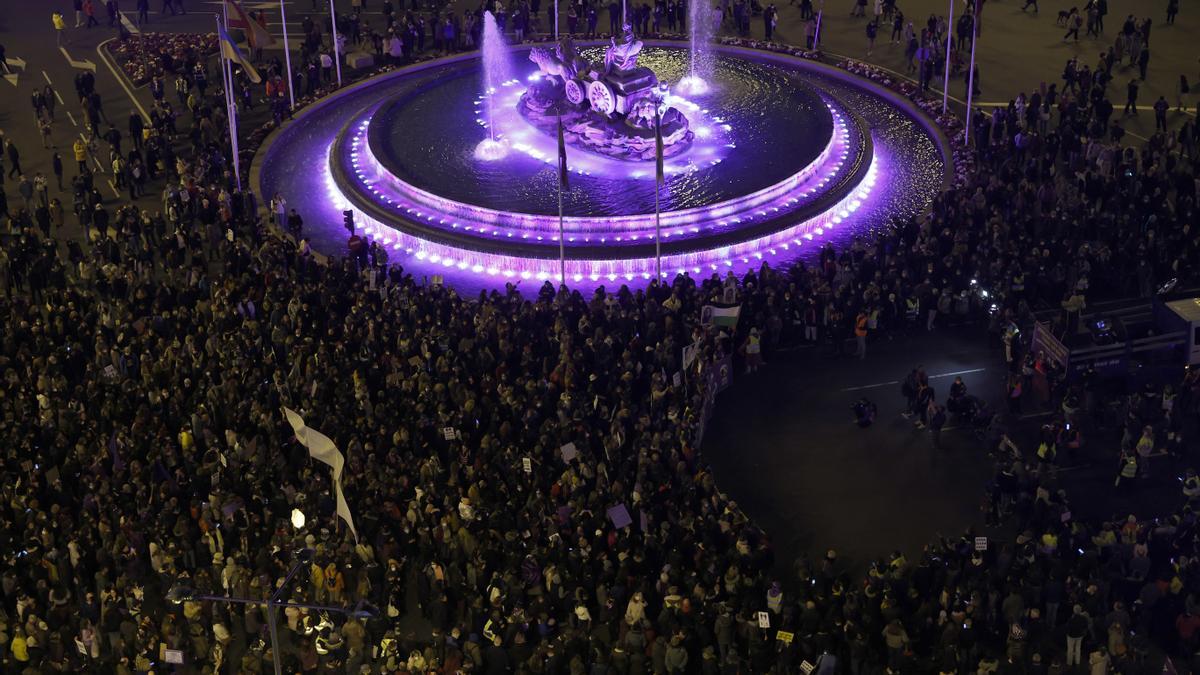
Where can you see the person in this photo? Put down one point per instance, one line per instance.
(80, 149)
(14, 158)
(860, 334)
(57, 165)
(60, 24)
(1183, 92)
(89, 12)
(1074, 23)
(1030, 3)
(752, 349)
(1131, 96)
(770, 19)
(1160, 113)
(1172, 11)
(1143, 61)
(872, 32)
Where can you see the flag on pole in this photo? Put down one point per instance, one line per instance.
(256, 34)
(720, 316)
(562, 156)
(230, 51)
(658, 147)
(321, 448)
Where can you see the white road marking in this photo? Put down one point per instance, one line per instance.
(932, 377)
(72, 118)
(120, 78)
(114, 188)
(129, 25)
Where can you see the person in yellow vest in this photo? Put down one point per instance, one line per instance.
(860, 333)
(60, 25)
(20, 646)
(753, 349)
(80, 148)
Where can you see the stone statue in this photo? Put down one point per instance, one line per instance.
(622, 56)
(562, 61)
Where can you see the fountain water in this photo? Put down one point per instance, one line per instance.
(702, 25)
(496, 72)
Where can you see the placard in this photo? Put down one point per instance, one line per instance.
(619, 515)
(527, 464)
(449, 433)
(806, 667)
(174, 656)
(785, 637)
(981, 543)
(569, 452)
(677, 379)
(764, 620)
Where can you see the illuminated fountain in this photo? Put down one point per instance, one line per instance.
(778, 153)
(496, 71)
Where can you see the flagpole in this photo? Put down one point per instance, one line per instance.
(556, 20)
(562, 246)
(333, 21)
(658, 181)
(971, 73)
(817, 32)
(946, 82)
(287, 53)
(230, 110)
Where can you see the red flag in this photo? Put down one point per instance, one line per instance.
(562, 156)
(256, 34)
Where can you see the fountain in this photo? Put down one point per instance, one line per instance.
(703, 22)
(778, 154)
(496, 71)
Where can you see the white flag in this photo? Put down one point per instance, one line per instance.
(321, 448)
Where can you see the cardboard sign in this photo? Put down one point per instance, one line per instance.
(569, 452)
(981, 543)
(784, 636)
(619, 515)
(110, 372)
(806, 667)
(449, 433)
(527, 464)
(52, 475)
(764, 620)
(174, 656)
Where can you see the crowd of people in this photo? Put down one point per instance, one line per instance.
(145, 363)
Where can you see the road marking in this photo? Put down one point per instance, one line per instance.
(82, 65)
(12, 78)
(129, 26)
(932, 377)
(47, 78)
(958, 372)
(72, 118)
(120, 77)
(114, 187)
(14, 61)
(99, 166)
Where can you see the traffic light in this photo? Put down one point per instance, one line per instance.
(348, 221)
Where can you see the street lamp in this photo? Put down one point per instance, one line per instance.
(298, 519)
(179, 594)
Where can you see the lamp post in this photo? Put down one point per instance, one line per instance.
(362, 610)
